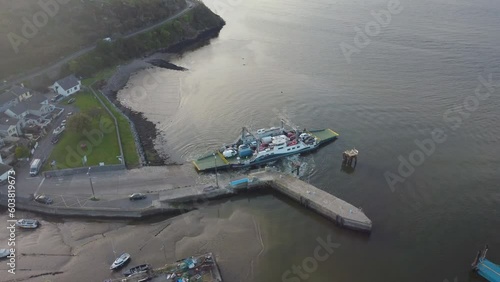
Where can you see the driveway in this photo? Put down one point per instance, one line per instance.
(44, 146)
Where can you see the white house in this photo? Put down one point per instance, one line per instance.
(13, 96)
(7, 100)
(21, 92)
(33, 111)
(67, 86)
(4, 171)
(18, 111)
(37, 105)
(9, 126)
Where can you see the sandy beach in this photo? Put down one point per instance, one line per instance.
(74, 250)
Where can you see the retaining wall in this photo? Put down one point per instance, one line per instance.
(81, 170)
(26, 203)
(138, 144)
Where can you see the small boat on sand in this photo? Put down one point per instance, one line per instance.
(120, 261)
(4, 253)
(27, 223)
(137, 269)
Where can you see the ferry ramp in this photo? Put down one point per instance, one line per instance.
(338, 210)
(324, 135)
(211, 161)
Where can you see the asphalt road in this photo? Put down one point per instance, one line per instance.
(111, 188)
(67, 58)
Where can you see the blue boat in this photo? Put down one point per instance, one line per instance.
(487, 269)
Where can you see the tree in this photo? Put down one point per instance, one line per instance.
(22, 152)
(79, 122)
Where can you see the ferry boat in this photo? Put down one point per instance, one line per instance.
(27, 223)
(120, 261)
(264, 146)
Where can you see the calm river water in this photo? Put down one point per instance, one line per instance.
(284, 58)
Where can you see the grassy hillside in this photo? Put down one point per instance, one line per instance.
(190, 25)
(35, 35)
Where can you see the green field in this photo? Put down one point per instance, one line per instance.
(101, 140)
(126, 135)
(128, 141)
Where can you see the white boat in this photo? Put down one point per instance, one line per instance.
(4, 253)
(120, 261)
(27, 223)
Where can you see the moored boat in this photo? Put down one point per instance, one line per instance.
(27, 223)
(264, 146)
(487, 269)
(137, 269)
(4, 253)
(120, 261)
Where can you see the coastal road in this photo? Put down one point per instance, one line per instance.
(112, 188)
(36, 72)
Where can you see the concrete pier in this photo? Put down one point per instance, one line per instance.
(343, 213)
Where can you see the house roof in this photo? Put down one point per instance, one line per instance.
(68, 82)
(6, 97)
(18, 90)
(31, 116)
(4, 168)
(4, 127)
(6, 120)
(33, 103)
(13, 93)
(19, 108)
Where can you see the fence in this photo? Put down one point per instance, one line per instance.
(138, 144)
(80, 170)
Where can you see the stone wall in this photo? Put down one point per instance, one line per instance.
(138, 144)
(81, 170)
(26, 203)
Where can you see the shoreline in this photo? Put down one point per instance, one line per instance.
(75, 245)
(147, 131)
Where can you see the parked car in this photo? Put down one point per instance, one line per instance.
(70, 113)
(137, 196)
(59, 130)
(71, 101)
(63, 122)
(57, 98)
(54, 140)
(42, 199)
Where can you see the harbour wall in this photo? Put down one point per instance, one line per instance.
(181, 200)
(83, 170)
(26, 203)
